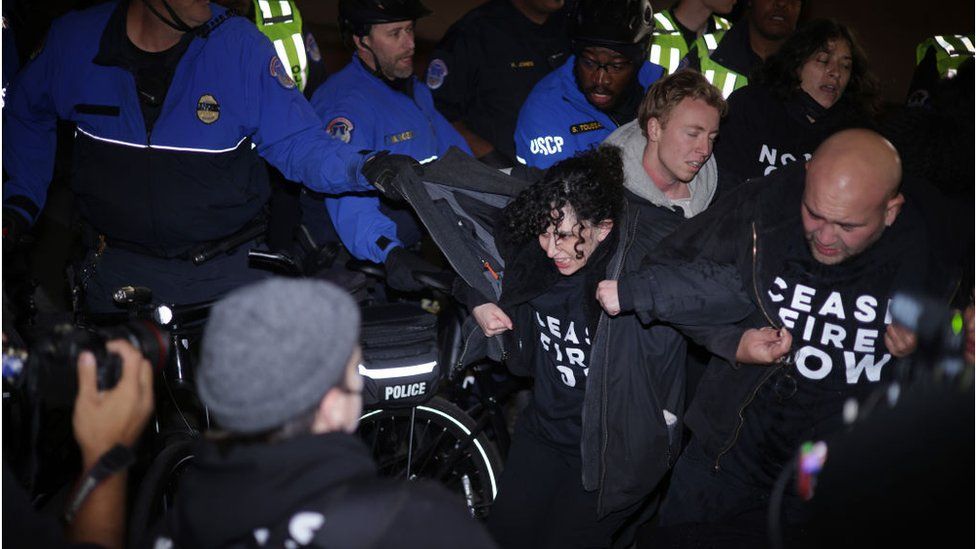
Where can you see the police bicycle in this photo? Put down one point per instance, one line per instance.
(411, 431)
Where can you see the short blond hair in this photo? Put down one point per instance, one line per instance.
(666, 93)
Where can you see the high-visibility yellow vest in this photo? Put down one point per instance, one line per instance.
(668, 49)
(718, 75)
(281, 22)
(951, 50)
(668, 45)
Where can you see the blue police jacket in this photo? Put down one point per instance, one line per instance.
(556, 121)
(196, 176)
(362, 110)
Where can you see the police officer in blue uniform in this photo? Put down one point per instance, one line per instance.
(375, 103)
(598, 89)
(174, 108)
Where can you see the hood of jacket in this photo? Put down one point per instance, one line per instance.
(225, 495)
(631, 141)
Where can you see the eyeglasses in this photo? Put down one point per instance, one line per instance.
(611, 68)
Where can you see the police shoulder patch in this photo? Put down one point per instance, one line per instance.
(278, 72)
(436, 72)
(208, 110)
(340, 128)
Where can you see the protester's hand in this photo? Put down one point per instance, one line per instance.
(492, 319)
(401, 264)
(900, 341)
(763, 346)
(381, 171)
(606, 294)
(103, 419)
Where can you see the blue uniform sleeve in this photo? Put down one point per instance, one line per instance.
(364, 230)
(362, 227)
(29, 131)
(289, 135)
(541, 139)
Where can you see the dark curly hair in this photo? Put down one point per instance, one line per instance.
(591, 183)
(781, 72)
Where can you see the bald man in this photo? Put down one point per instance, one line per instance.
(820, 249)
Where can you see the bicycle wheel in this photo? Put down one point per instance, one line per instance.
(434, 441)
(157, 489)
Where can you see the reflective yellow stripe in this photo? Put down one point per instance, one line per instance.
(710, 76)
(302, 58)
(655, 54)
(285, 7)
(265, 9)
(711, 42)
(968, 43)
(674, 59)
(721, 23)
(663, 20)
(729, 86)
(951, 73)
(945, 45)
(282, 52)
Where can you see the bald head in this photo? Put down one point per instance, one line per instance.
(857, 160)
(851, 194)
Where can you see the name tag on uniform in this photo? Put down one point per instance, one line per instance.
(522, 64)
(395, 138)
(584, 127)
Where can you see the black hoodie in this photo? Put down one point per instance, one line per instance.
(763, 132)
(328, 482)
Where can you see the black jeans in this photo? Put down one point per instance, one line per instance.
(542, 504)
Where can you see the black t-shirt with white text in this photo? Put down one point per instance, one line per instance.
(560, 363)
(837, 316)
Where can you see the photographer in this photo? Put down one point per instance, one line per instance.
(102, 421)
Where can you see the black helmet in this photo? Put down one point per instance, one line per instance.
(612, 23)
(356, 16)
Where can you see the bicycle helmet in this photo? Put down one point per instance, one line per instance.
(357, 16)
(614, 24)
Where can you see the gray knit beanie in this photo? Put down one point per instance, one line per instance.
(272, 350)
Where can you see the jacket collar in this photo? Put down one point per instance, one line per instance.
(402, 85)
(734, 51)
(646, 75)
(115, 49)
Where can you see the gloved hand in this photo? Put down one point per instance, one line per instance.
(400, 266)
(15, 226)
(381, 171)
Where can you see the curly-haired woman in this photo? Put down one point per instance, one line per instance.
(602, 426)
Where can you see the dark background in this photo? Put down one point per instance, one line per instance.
(888, 30)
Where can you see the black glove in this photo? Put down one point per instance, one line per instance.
(400, 266)
(382, 169)
(15, 227)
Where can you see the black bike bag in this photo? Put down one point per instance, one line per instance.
(400, 355)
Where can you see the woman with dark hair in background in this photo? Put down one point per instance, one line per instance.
(816, 84)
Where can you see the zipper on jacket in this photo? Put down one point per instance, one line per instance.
(604, 321)
(759, 301)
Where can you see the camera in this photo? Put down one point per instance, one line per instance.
(47, 372)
